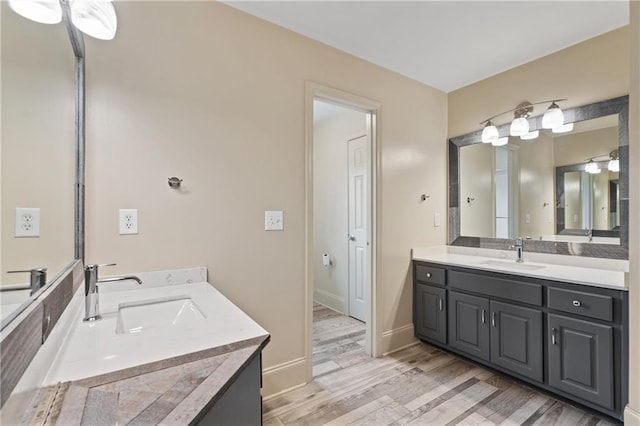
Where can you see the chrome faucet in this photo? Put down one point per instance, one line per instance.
(38, 278)
(519, 248)
(590, 234)
(91, 299)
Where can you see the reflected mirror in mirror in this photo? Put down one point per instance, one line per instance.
(512, 190)
(38, 155)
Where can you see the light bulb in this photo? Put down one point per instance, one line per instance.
(530, 135)
(614, 165)
(96, 18)
(43, 11)
(592, 168)
(489, 133)
(500, 141)
(563, 129)
(553, 117)
(519, 126)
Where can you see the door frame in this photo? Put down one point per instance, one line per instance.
(373, 330)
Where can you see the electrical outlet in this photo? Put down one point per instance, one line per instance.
(128, 221)
(273, 221)
(27, 222)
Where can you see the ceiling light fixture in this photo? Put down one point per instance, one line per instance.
(592, 167)
(42, 11)
(96, 18)
(553, 117)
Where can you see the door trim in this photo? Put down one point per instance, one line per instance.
(373, 108)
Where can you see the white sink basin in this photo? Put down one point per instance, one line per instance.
(135, 317)
(513, 265)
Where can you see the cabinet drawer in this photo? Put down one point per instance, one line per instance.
(499, 287)
(581, 303)
(428, 274)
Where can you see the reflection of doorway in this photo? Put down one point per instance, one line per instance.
(332, 229)
(507, 193)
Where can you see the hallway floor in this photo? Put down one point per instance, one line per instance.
(419, 385)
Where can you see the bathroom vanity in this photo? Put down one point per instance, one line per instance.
(561, 328)
(172, 351)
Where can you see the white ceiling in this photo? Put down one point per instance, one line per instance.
(445, 44)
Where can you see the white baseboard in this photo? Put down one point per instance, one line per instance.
(397, 339)
(330, 300)
(631, 417)
(283, 377)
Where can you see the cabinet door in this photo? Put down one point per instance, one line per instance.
(431, 313)
(580, 359)
(516, 339)
(468, 324)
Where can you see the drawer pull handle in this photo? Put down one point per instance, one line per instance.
(554, 341)
(484, 319)
(577, 303)
(428, 274)
(493, 319)
(441, 304)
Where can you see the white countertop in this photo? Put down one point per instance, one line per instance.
(90, 349)
(608, 273)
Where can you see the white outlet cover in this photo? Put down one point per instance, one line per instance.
(273, 220)
(27, 222)
(128, 221)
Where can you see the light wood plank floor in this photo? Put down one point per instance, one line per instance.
(420, 385)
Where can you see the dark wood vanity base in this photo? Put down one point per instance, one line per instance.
(567, 339)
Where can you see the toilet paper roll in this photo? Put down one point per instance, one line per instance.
(326, 261)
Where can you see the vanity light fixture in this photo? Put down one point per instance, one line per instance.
(552, 118)
(563, 129)
(42, 11)
(531, 135)
(500, 141)
(614, 163)
(592, 167)
(96, 18)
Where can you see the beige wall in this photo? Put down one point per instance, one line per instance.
(330, 210)
(38, 140)
(594, 70)
(215, 96)
(477, 165)
(574, 148)
(632, 416)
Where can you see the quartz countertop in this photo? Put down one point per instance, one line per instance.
(606, 273)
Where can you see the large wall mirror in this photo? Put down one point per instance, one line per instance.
(557, 191)
(38, 162)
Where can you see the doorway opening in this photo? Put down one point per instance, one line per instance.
(341, 167)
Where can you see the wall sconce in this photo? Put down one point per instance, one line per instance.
(592, 167)
(553, 118)
(614, 163)
(96, 18)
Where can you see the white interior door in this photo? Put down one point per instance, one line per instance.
(359, 218)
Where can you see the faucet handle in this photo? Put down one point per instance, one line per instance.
(31, 271)
(93, 266)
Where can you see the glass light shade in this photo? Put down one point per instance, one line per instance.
(96, 18)
(519, 127)
(43, 11)
(553, 117)
(530, 135)
(592, 168)
(489, 133)
(614, 165)
(500, 141)
(563, 129)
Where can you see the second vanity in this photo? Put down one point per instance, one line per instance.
(171, 351)
(559, 324)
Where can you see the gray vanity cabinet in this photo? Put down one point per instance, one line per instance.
(468, 327)
(431, 318)
(581, 359)
(516, 339)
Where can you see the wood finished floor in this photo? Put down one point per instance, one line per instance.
(420, 385)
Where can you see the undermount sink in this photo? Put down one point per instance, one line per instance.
(134, 317)
(513, 265)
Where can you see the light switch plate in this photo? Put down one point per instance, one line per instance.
(27, 222)
(436, 220)
(128, 221)
(273, 220)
